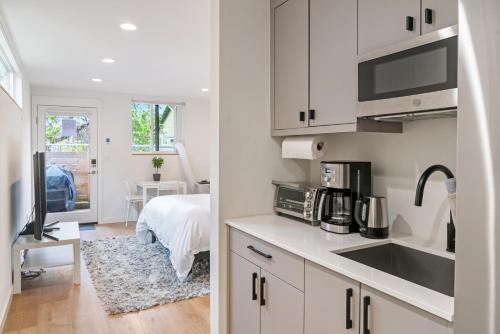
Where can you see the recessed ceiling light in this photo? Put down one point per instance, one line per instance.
(205, 90)
(108, 60)
(128, 26)
(97, 80)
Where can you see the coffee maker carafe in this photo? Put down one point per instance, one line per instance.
(344, 182)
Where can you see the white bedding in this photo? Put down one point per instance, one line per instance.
(181, 223)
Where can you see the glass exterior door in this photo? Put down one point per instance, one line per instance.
(69, 138)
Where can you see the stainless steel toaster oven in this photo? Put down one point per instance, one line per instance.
(300, 200)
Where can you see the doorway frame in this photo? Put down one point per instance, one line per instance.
(68, 102)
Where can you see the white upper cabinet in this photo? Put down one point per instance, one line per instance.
(291, 63)
(438, 14)
(333, 62)
(385, 22)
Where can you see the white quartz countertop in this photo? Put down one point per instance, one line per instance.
(316, 245)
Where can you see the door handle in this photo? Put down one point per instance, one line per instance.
(92, 172)
(409, 23)
(348, 297)
(254, 286)
(262, 298)
(366, 304)
(428, 16)
(312, 114)
(302, 116)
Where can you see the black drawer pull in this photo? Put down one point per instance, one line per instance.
(254, 286)
(366, 304)
(253, 249)
(302, 116)
(409, 23)
(262, 298)
(348, 297)
(428, 16)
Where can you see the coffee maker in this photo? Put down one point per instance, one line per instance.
(344, 182)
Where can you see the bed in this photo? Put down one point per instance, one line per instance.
(181, 223)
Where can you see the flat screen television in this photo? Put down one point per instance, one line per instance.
(40, 194)
(36, 226)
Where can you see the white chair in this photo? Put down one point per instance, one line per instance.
(130, 198)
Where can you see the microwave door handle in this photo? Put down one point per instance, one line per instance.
(320, 205)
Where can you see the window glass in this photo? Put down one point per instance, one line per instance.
(153, 127)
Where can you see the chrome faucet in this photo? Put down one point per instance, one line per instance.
(450, 235)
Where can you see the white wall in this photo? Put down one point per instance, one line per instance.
(120, 164)
(398, 160)
(246, 159)
(15, 183)
(477, 275)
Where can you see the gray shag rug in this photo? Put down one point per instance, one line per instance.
(129, 276)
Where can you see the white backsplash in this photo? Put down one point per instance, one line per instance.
(398, 160)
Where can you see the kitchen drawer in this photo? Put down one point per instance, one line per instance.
(287, 266)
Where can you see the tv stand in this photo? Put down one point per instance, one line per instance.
(67, 234)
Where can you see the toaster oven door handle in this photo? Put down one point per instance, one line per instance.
(320, 205)
(261, 253)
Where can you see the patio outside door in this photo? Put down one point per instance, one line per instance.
(68, 135)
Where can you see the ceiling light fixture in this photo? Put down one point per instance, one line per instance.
(205, 90)
(97, 80)
(128, 26)
(108, 60)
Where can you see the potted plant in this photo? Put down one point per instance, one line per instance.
(157, 163)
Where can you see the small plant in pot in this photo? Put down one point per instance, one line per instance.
(157, 163)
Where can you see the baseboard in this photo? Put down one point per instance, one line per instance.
(6, 309)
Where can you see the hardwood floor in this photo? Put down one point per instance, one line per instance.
(52, 304)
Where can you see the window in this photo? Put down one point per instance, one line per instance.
(154, 126)
(10, 76)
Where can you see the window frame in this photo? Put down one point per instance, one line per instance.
(15, 88)
(177, 125)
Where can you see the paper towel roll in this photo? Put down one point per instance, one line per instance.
(303, 148)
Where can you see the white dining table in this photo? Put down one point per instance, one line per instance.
(179, 187)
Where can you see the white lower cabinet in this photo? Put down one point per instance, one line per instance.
(331, 301)
(383, 314)
(245, 308)
(283, 309)
(266, 287)
(272, 291)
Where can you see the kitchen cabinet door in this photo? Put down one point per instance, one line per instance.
(291, 64)
(283, 309)
(438, 14)
(333, 61)
(384, 22)
(244, 309)
(331, 302)
(388, 315)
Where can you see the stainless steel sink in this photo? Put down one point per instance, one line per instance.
(425, 269)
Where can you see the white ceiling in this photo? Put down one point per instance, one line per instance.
(62, 42)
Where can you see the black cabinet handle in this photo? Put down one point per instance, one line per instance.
(253, 249)
(409, 23)
(262, 298)
(348, 297)
(254, 286)
(312, 114)
(366, 303)
(428, 16)
(302, 116)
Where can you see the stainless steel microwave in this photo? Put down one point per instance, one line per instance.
(415, 76)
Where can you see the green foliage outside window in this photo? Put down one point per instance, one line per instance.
(144, 124)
